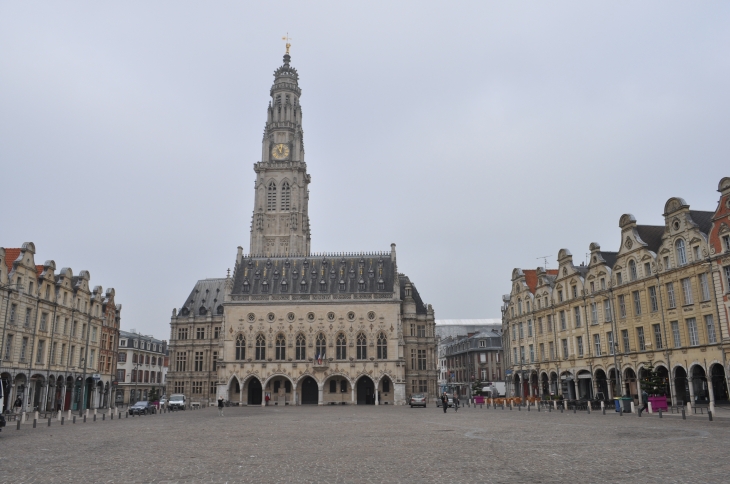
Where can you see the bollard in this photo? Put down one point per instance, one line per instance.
(709, 414)
(574, 409)
(112, 417)
(684, 416)
(34, 422)
(638, 414)
(561, 409)
(660, 413)
(62, 419)
(84, 418)
(528, 408)
(18, 425)
(126, 415)
(604, 409)
(550, 409)
(621, 411)
(49, 421)
(94, 416)
(74, 419)
(589, 409)
(503, 406)
(519, 408)
(103, 416)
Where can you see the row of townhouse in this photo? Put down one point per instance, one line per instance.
(471, 358)
(141, 367)
(59, 336)
(662, 299)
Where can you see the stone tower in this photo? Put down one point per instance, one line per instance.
(280, 223)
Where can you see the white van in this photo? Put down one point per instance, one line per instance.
(177, 402)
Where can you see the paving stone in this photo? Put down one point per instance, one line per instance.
(370, 445)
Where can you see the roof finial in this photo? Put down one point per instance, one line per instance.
(287, 39)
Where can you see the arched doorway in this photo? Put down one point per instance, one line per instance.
(719, 384)
(601, 385)
(254, 391)
(553, 383)
(534, 385)
(699, 385)
(365, 391)
(630, 387)
(585, 385)
(88, 393)
(310, 391)
(518, 389)
(681, 386)
(38, 381)
(568, 385)
(234, 391)
(385, 391)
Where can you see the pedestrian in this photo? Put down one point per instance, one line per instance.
(267, 399)
(444, 401)
(456, 402)
(220, 406)
(645, 397)
(18, 404)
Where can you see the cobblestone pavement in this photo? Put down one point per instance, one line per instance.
(369, 444)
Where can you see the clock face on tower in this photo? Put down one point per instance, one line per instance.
(280, 152)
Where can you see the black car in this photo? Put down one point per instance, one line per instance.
(141, 408)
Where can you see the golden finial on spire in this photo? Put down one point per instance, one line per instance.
(287, 39)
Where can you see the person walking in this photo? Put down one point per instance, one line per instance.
(456, 402)
(645, 406)
(220, 406)
(444, 401)
(18, 404)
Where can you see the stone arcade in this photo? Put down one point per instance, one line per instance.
(297, 327)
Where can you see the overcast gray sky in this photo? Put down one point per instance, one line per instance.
(477, 136)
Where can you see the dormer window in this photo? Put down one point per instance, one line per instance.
(560, 296)
(696, 253)
(593, 287)
(647, 269)
(303, 285)
(265, 286)
(361, 284)
(322, 285)
(633, 275)
(284, 286)
(246, 286)
(619, 278)
(381, 284)
(202, 311)
(575, 292)
(342, 285)
(681, 252)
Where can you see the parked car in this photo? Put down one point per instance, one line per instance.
(141, 408)
(450, 397)
(418, 400)
(177, 402)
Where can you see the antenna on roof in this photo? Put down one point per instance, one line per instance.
(544, 260)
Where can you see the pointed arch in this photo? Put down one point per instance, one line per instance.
(271, 196)
(280, 346)
(260, 347)
(362, 346)
(382, 346)
(301, 347)
(240, 347)
(285, 196)
(341, 346)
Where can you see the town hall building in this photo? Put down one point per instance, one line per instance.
(296, 327)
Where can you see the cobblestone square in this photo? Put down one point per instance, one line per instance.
(370, 444)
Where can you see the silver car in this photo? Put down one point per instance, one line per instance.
(418, 400)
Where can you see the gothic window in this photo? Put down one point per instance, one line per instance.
(681, 252)
(271, 197)
(341, 347)
(320, 345)
(362, 347)
(280, 347)
(301, 349)
(260, 347)
(240, 347)
(285, 196)
(382, 347)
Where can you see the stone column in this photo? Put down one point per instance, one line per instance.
(690, 384)
(353, 401)
(611, 384)
(376, 397)
(320, 394)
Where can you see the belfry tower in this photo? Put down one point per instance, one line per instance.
(280, 223)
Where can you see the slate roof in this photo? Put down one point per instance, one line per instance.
(456, 330)
(420, 306)
(652, 235)
(207, 293)
(703, 219)
(609, 257)
(330, 274)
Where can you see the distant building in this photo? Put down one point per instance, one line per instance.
(58, 335)
(660, 301)
(141, 367)
(470, 350)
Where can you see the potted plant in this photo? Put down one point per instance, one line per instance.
(655, 386)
